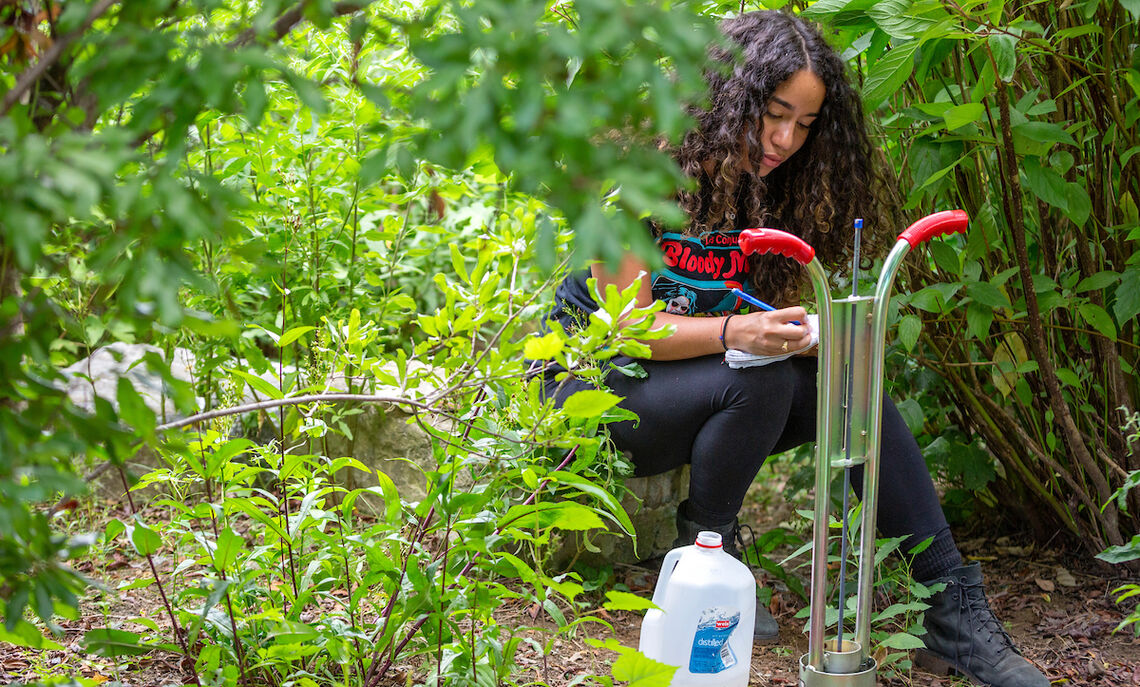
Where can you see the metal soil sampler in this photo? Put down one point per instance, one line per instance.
(849, 413)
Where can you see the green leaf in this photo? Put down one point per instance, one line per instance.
(1080, 206)
(897, 19)
(1045, 183)
(293, 334)
(625, 601)
(888, 74)
(642, 671)
(259, 384)
(1004, 48)
(1043, 132)
(27, 635)
(103, 641)
(564, 515)
(1122, 554)
(903, 641)
(1127, 304)
(133, 409)
(543, 347)
(1132, 7)
(962, 115)
(608, 500)
(145, 540)
(910, 326)
(823, 8)
(987, 294)
(458, 263)
(979, 317)
(1098, 319)
(590, 403)
(229, 545)
(1100, 280)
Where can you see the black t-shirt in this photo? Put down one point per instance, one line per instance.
(697, 279)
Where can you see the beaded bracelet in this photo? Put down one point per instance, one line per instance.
(724, 330)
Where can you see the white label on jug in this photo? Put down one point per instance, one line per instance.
(711, 652)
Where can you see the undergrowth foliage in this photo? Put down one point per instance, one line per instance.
(331, 206)
(264, 186)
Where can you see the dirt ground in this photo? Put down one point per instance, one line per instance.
(1057, 604)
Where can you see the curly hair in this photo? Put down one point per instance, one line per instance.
(817, 192)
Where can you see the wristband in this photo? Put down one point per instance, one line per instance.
(724, 330)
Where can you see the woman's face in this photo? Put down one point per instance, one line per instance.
(792, 109)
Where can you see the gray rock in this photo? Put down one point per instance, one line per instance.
(99, 374)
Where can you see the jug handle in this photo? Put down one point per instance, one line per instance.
(667, 566)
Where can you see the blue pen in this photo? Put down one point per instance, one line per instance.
(757, 302)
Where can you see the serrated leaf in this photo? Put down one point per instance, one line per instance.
(894, 17)
(823, 8)
(888, 74)
(590, 403)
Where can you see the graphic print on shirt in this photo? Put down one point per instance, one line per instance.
(700, 273)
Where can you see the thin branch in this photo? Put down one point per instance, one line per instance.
(51, 56)
(292, 400)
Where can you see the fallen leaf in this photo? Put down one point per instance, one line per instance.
(1045, 585)
(1065, 578)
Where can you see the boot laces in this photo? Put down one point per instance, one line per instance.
(972, 603)
(744, 546)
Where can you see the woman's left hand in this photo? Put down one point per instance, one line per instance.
(769, 333)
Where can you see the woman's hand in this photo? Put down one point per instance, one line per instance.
(769, 333)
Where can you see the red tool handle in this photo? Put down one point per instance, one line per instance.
(937, 224)
(776, 241)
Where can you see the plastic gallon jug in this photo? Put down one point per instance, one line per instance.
(707, 602)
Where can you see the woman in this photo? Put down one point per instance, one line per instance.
(782, 144)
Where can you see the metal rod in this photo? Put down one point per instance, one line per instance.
(847, 407)
(817, 618)
(880, 307)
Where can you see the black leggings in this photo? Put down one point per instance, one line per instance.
(725, 423)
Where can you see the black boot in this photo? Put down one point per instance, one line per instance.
(963, 636)
(766, 630)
